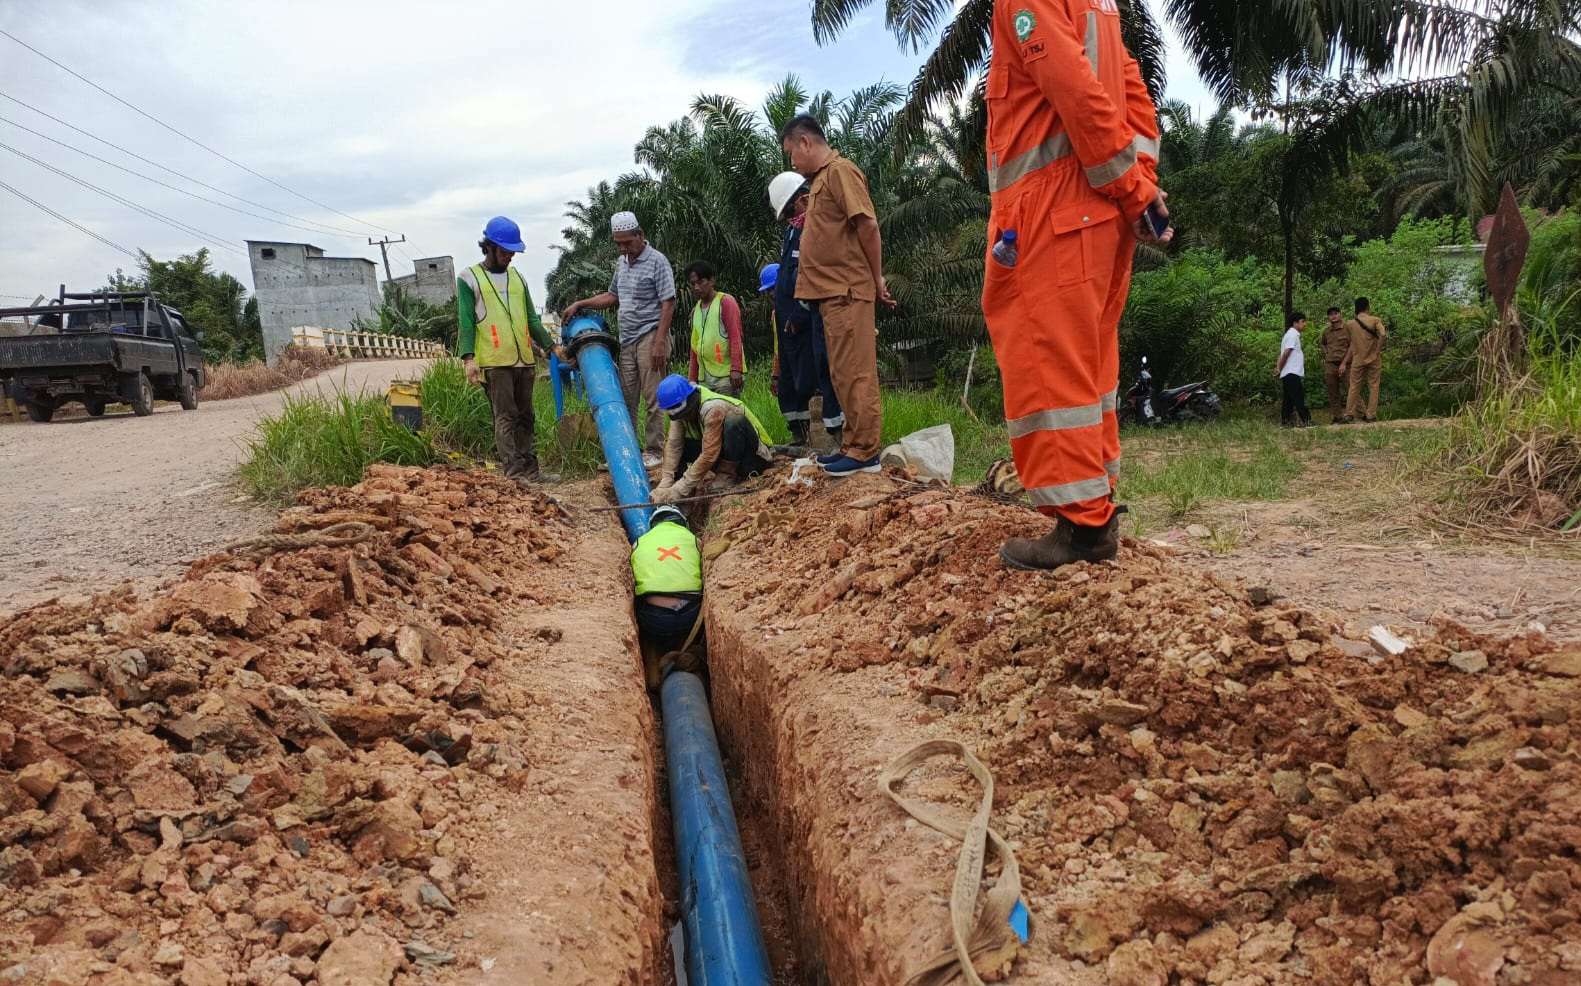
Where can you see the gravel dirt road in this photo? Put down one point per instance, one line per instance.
(90, 501)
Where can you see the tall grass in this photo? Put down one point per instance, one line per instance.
(458, 416)
(321, 441)
(1516, 452)
(229, 380)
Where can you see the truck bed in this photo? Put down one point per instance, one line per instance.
(69, 350)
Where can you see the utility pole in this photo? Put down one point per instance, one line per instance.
(384, 251)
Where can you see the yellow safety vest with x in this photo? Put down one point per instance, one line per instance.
(665, 561)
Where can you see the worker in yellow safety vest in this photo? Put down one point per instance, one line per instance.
(496, 316)
(718, 362)
(668, 570)
(710, 432)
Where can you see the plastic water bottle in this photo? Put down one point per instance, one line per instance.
(1005, 249)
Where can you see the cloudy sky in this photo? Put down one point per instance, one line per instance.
(389, 115)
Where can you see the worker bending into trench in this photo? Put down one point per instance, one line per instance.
(668, 570)
(709, 433)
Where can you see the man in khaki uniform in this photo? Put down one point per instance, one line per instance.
(1365, 359)
(842, 272)
(1336, 346)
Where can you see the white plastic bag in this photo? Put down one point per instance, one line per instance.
(930, 453)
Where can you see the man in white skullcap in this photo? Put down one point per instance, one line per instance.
(644, 288)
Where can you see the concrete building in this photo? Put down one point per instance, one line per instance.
(433, 280)
(297, 285)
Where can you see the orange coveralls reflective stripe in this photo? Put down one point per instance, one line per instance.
(1072, 165)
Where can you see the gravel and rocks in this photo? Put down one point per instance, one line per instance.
(1200, 788)
(281, 769)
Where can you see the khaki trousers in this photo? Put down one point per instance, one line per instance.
(1338, 386)
(850, 333)
(1372, 373)
(639, 382)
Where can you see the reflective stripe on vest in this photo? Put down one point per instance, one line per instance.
(696, 431)
(502, 334)
(709, 341)
(665, 561)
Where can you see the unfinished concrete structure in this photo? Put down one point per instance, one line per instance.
(433, 280)
(297, 285)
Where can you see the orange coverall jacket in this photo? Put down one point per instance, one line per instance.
(1072, 164)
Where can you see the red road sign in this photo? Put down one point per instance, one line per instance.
(1506, 253)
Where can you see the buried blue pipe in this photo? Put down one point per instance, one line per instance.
(593, 349)
(724, 942)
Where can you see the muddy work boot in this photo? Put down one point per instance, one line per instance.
(1065, 544)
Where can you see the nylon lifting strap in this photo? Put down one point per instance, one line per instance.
(991, 941)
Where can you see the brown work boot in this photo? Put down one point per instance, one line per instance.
(1066, 543)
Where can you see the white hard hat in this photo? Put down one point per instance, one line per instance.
(623, 222)
(782, 190)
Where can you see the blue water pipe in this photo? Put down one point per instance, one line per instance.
(562, 376)
(592, 349)
(724, 941)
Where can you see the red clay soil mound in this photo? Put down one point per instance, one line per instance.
(274, 771)
(1201, 789)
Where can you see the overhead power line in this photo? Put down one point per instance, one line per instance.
(163, 184)
(218, 241)
(74, 225)
(186, 136)
(169, 170)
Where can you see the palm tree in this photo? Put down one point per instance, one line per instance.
(701, 184)
(1491, 56)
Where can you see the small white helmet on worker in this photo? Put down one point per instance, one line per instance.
(782, 191)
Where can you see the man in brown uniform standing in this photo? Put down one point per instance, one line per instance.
(842, 271)
(1336, 345)
(1365, 359)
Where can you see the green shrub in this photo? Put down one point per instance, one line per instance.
(456, 413)
(321, 441)
(458, 417)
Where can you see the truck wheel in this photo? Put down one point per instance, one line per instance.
(95, 407)
(40, 412)
(189, 391)
(142, 396)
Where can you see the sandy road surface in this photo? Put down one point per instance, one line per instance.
(88, 502)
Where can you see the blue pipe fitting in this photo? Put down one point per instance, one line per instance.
(724, 942)
(593, 348)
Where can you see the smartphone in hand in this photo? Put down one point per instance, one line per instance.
(1157, 221)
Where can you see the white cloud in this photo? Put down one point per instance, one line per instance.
(423, 118)
(414, 116)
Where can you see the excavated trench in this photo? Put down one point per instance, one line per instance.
(429, 756)
(1200, 786)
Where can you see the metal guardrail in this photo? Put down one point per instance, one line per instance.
(365, 345)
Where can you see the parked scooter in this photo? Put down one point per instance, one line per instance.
(1193, 402)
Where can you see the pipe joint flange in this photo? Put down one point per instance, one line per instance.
(575, 345)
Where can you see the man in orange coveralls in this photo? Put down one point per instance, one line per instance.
(1072, 163)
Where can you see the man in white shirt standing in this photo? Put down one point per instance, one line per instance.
(1292, 372)
(643, 286)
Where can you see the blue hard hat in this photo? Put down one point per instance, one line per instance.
(673, 392)
(504, 234)
(769, 277)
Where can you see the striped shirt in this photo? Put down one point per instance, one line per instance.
(642, 286)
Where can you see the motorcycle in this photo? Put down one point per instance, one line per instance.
(1193, 402)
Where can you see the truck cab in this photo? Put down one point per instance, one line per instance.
(101, 348)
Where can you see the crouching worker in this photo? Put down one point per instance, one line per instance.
(709, 432)
(668, 570)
